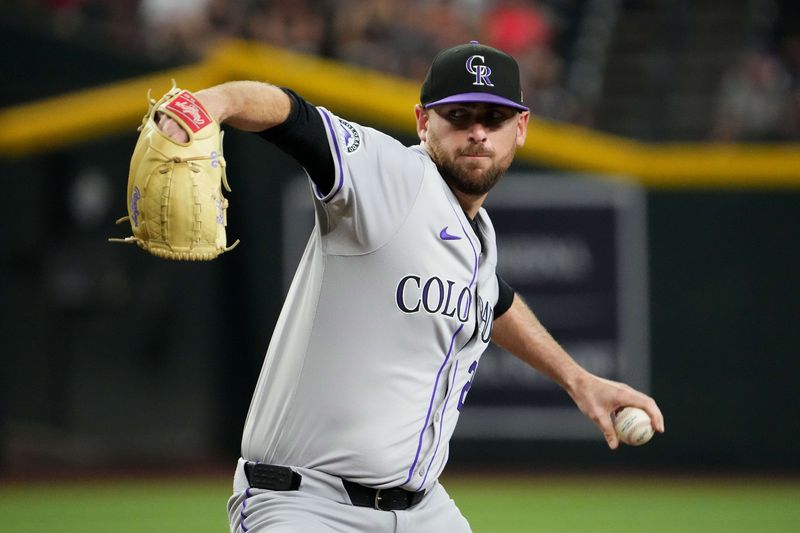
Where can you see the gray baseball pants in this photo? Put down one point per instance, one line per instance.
(321, 505)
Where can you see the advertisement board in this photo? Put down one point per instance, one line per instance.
(575, 249)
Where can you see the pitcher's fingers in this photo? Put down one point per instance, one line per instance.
(172, 129)
(611, 437)
(648, 404)
(657, 417)
(603, 421)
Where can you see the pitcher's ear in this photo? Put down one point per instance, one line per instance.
(422, 122)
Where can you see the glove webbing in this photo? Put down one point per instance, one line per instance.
(220, 158)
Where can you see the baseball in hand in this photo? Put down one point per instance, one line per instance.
(633, 426)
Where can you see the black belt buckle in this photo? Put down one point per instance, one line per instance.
(377, 502)
(396, 499)
(271, 477)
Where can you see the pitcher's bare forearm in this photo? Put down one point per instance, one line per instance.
(520, 332)
(246, 105)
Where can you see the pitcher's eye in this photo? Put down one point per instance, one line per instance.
(458, 113)
(495, 118)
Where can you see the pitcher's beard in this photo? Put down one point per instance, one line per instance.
(462, 180)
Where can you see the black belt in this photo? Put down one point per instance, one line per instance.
(395, 499)
(273, 477)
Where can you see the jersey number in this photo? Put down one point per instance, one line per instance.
(467, 385)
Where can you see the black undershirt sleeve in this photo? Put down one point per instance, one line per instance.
(302, 136)
(505, 297)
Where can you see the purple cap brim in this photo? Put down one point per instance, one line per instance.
(478, 97)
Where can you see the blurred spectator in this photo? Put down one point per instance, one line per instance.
(753, 100)
(790, 46)
(399, 37)
(177, 29)
(363, 34)
(295, 24)
(114, 21)
(544, 91)
(516, 26)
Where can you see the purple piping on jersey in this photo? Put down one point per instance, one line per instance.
(474, 253)
(241, 512)
(439, 374)
(436, 384)
(334, 139)
(430, 405)
(441, 423)
(447, 358)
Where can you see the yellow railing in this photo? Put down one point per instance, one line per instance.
(388, 101)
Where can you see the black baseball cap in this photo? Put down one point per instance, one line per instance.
(472, 72)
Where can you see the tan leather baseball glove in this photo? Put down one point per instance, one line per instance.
(175, 203)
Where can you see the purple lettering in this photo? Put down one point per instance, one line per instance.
(400, 294)
(463, 305)
(486, 319)
(414, 294)
(426, 293)
(447, 303)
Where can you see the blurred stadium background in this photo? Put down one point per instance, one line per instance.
(133, 375)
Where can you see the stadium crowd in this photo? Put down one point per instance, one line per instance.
(394, 36)
(757, 100)
(758, 97)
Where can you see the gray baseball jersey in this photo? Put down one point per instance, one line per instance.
(384, 324)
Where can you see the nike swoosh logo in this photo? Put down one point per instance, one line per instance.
(446, 236)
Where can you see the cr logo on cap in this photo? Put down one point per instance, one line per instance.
(481, 72)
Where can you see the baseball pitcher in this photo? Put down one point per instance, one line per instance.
(394, 301)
